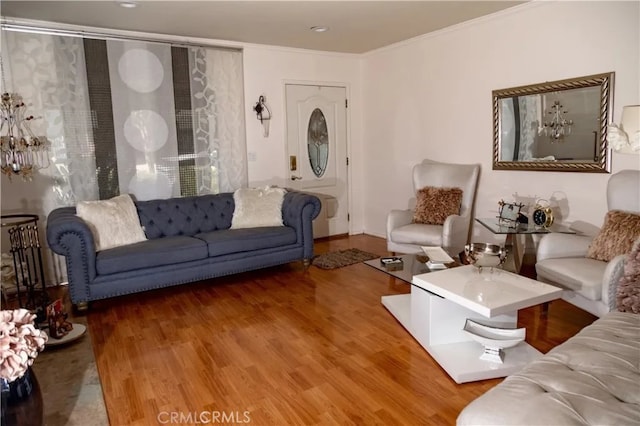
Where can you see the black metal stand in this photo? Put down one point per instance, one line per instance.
(27, 263)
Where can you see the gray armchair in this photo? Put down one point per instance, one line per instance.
(561, 258)
(404, 236)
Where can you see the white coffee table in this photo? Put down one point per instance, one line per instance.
(440, 302)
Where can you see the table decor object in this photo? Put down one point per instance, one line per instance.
(393, 263)
(437, 258)
(390, 259)
(57, 318)
(76, 332)
(483, 255)
(542, 214)
(494, 339)
(61, 330)
(509, 213)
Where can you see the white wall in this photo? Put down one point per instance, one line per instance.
(430, 97)
(266, 69)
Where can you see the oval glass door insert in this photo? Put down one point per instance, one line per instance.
(318, 142)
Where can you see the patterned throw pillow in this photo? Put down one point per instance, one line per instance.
(628, 291)
(616, 237)
(434, 205)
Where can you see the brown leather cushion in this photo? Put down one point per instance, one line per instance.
(616, 237)
(434, 205)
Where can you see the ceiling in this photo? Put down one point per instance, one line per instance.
(355, 26)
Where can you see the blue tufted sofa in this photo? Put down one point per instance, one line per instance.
(189, 239)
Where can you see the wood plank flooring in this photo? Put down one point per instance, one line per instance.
(284, 346)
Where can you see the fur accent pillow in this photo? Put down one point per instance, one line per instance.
(616, 237)
(257, 207)
(112, 222)
(628, 292)
(434, 205)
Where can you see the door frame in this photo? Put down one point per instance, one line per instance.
(347, 88)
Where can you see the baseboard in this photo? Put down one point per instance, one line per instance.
(331, 237)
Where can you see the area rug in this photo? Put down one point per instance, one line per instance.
(338, 259)
(69, 381)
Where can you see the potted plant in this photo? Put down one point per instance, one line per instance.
(20, 344)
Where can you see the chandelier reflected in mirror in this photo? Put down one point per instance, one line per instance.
(22, 152)
(558, 127)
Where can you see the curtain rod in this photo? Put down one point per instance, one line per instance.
(105, 36)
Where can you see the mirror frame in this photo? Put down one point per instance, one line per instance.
(603, 165)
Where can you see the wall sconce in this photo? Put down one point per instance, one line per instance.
(625, 138)
(263, 114)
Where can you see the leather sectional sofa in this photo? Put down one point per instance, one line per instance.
(188, 239)
(591, 379)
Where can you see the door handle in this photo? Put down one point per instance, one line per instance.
(293, 177)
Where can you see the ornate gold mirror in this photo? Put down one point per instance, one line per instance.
(556, 126)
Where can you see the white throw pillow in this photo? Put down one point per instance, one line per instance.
(112, 222)
(256, 207)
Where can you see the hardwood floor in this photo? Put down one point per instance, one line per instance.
(286, 346)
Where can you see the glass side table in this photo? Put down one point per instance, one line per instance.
(514, 241)
(28, 269)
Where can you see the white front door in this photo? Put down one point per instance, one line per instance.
(317, 148)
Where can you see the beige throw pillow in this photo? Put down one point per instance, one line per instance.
(112, 222)
(257, 207)
(434, 205)
(616, 237)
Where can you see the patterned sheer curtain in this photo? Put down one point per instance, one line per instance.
(150, 119)
(529, 123)
(218, 120)
(48, 71)
(521, 122)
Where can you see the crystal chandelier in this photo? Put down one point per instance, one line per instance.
(558, 127)
(22, 152)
